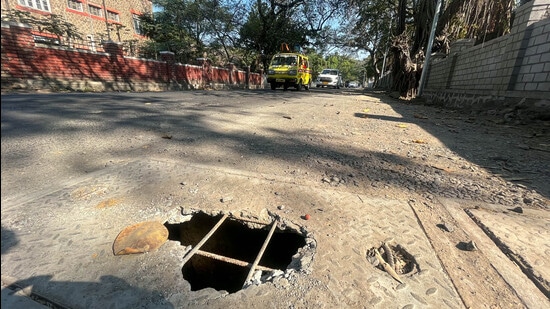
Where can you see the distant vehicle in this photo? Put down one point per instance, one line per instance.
(353, 85)
(330, 78)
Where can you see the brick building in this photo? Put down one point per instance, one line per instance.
(95, 20)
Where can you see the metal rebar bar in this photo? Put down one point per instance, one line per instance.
(231, 260)
(204, 239)
(249, 220)
(261, 253)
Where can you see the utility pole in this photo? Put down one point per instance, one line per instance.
(386, 52)
(426, 65)
(106, 22)
(384, 63)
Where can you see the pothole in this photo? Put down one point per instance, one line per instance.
(230, 252)
(394, 259)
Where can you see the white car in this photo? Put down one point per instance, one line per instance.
(353, 85)
(330, 78)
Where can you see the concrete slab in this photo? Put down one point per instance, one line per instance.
(60, 242)
(484, 223)
(524, 237)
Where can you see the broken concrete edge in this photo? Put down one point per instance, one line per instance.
(13, 290)
(540, 282)
(528, 292)
(301, 262)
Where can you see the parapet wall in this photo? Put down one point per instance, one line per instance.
(514, 68)
(31, 66)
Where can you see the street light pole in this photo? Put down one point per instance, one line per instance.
(426, 65)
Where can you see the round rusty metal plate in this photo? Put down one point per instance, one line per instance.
(141, 237)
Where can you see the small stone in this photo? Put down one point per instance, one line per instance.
(281, 207)
(519, 210)
(283, 282)
(448, 227)
(527, 200)
(256, 278)
(470, 246)
(226, 199)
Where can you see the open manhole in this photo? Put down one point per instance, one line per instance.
(228, 253)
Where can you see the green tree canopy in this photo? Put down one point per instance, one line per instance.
(404, 26)
(392, 33)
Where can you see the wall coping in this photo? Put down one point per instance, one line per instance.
(151, 77)
(70, 49)
(142, 59)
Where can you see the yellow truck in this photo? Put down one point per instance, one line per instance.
(289, 69)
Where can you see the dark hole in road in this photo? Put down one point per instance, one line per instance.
(233, 239)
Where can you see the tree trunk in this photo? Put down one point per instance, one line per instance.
(404, 70)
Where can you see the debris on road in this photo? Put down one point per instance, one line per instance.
(468, 246)
(385, 265)
(394, 260)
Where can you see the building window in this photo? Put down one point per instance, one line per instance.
(75, 5)
(113, 16)
(94, 10)
(137, 24)
(42, 5)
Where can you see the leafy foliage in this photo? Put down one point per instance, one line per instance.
(270, 24)
(53, 23)
(392, 33)
(404, 26)
(243, 32)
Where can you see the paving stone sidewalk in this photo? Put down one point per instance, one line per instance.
(79, 168)
(63, 247)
